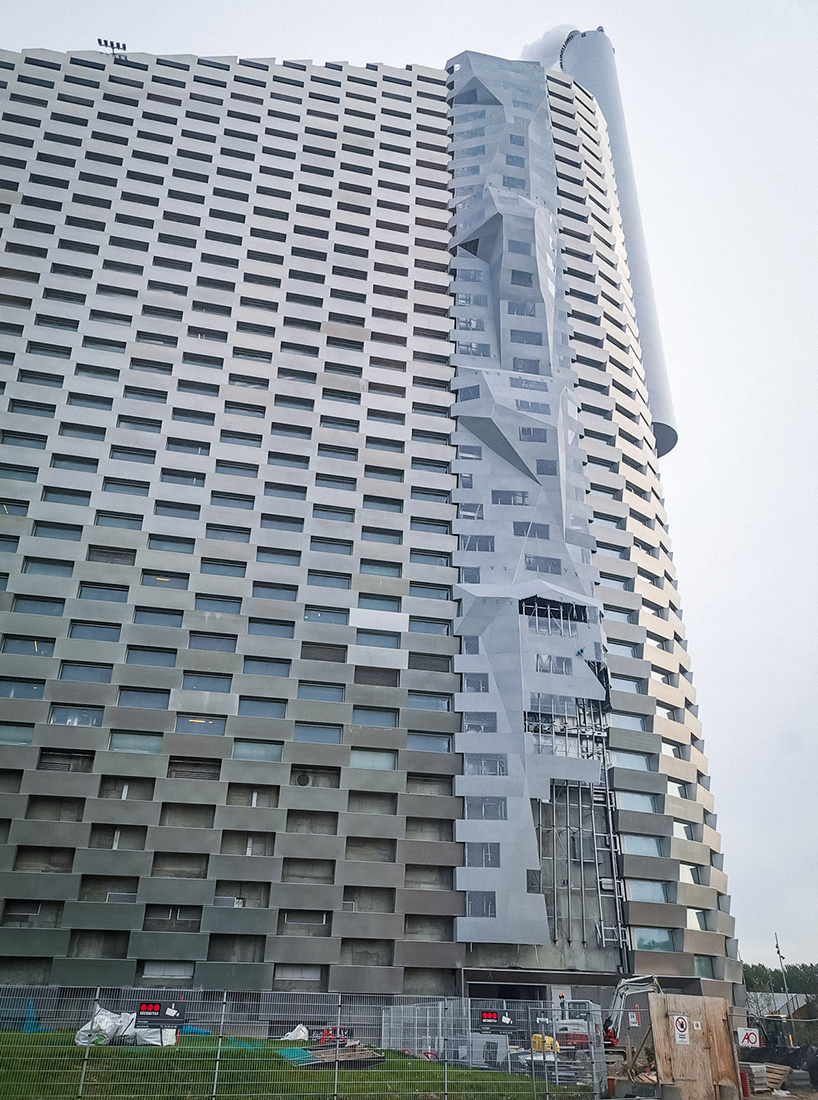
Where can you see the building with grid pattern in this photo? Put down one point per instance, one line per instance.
(338, 582)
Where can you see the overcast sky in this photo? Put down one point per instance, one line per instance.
(721, 100)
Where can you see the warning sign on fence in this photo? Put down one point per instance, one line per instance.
(749, 1037)
(681, 1029)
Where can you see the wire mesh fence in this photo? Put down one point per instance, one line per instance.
(82, 1044)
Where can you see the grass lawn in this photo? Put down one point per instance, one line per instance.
(49, 1066)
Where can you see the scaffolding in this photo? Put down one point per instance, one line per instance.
(577, 843)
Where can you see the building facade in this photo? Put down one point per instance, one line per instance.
(338, 582)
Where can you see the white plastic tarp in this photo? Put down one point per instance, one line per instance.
(299, 1032)
(105, 1026)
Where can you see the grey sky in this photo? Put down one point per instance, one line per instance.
(721, 101)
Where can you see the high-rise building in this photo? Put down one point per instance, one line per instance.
(341, 642)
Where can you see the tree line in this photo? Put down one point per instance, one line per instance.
(801, 978)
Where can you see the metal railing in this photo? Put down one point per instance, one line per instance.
(348, 1047)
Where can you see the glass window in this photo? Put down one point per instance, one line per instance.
(318, 732)
(381, 638)
(268, 751)
(65, 531)
(144, 655)
(482, 854)
(375, 716)
(633, 800)
(115, 593)
(48, 567)
(76, 716)
(97, 632)
(211, 724)
(271, 628)
(646, 890)
(220, 643)
(222, 568)
(15, 733)
(331, 546)
(428, 742)
(490, 808)
(429, 626)
(157, 616)
(266, 666)
(153, 579)
(329, 580)
(118, 519)
(38, 605)
(703, 966)
(381, 760)
(372, 602)
(253, 707)
(222, 604)
(378, 534)
(634, 761)
(654, 939)
(327, 693)
(641, 845)
(30, 647)
(144, 698)
(86, 673)
(380, 568)
(206, 681)
(628, 721)
(21, 689)
(420, 700)
(481, 903)
(126, 741)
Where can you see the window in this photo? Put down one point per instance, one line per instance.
(480, 854)
(267, 591)
(207, 724)
(48, 567)
(271, 628)
(640, 803)
(646, 890)
(144, 698)
(486, 763)
(266, 666)
(373, 759)
(252, 707)
(76, 716)
(99, 632)
(634, 761)
(221, 604)
(146, 655)
(128, 741)
(429, 626)
(654, 939)
(317, 732)
(153, 579)
(641, 845)
(628, 721)
(419, 700)
(375, 716)
(115, 593)
(428, 742)
(21, 689)
(380, 568)
(206, 681)
(30, 647)
(483, 544)
(38, 605)
(490, 808)
(372, 602)
(157, 616)
(86, 673)
(481, 903)
(267, 751)
(380, 638)
(328, 580)
(476, 681)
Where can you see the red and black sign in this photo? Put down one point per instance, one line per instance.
(160, 1014)
(491, 1020)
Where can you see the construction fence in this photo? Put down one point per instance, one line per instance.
(103, 1044)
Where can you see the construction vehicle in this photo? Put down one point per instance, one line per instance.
(628, 987)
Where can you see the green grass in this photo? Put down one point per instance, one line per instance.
(49, 1066)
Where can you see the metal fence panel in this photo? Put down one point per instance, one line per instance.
(358, 1048)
